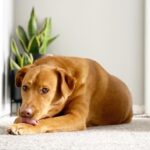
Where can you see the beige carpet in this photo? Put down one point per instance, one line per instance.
(133, 136)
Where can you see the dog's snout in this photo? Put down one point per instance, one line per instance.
(26, 113)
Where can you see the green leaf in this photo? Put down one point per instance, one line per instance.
(32, 24)
(46, 30)
(21, 34)
(25, 60)
(44, 45)
(44, 36)
(46, 42)
(48, 26)
(40, 38)
(14, 48)
(11, 64)
(14, 65)
(33, 46)
(21, 61)
(15, 51)
(52, 39)
(28, 59)
(31, 58)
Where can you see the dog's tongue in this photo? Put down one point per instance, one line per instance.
(29, 121)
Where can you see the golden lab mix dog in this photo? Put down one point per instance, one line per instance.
(69, 94)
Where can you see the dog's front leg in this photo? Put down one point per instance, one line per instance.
(67, 122)
(74, 118)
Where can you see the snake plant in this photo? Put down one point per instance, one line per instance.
(34, 41)
(20, 59)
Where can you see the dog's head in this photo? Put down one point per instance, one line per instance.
(44, 91)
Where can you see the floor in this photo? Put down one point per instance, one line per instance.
(133, 136)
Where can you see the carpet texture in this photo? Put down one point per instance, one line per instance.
(133, 136)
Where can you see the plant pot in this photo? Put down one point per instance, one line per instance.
(36, 56)
(15, 91)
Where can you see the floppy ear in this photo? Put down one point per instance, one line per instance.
(21, 73)
(66, 81)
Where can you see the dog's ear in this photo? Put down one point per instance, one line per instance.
(21, 73)
(66, 83)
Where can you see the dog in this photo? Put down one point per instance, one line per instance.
(68, 94)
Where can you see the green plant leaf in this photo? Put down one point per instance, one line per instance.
(46, 30)
(48, 26)
(14, 48)
(40, 38)
(32, 24)
(14, 65)
(44, 45)
(11, 64)
(52, 39)
(25, 59)
(33, 46)
(46, 42)
(21, 34)
(28, 59)
(21, 61)
(15, 51)
(31, 58)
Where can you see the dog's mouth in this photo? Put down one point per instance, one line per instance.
(32, 121)
(29, 121)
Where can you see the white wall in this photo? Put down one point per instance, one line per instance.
(1, 62)
(6, 28)
(147, 57)
(109, 31)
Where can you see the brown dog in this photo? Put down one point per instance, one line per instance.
(68, 94)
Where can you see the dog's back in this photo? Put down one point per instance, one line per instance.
(108, 98)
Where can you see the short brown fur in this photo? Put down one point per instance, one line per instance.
(82, 94)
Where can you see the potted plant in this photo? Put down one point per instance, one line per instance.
(33, 44)
(35, 41)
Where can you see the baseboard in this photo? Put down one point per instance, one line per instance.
(138, 109)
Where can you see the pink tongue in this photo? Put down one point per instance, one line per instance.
(29, 121)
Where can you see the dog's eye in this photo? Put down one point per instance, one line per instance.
(44, 90)
(25, 88)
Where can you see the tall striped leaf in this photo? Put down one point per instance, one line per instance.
(47, 40)
(46, 30)
(33, 46)
(21, 34)
(32, 24)
(43, 47)
(14, 65)
(14, 48)
(15, 51)
(52, 39)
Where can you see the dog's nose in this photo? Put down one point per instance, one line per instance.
(26, 113)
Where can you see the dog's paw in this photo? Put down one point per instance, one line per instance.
(20, 129)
